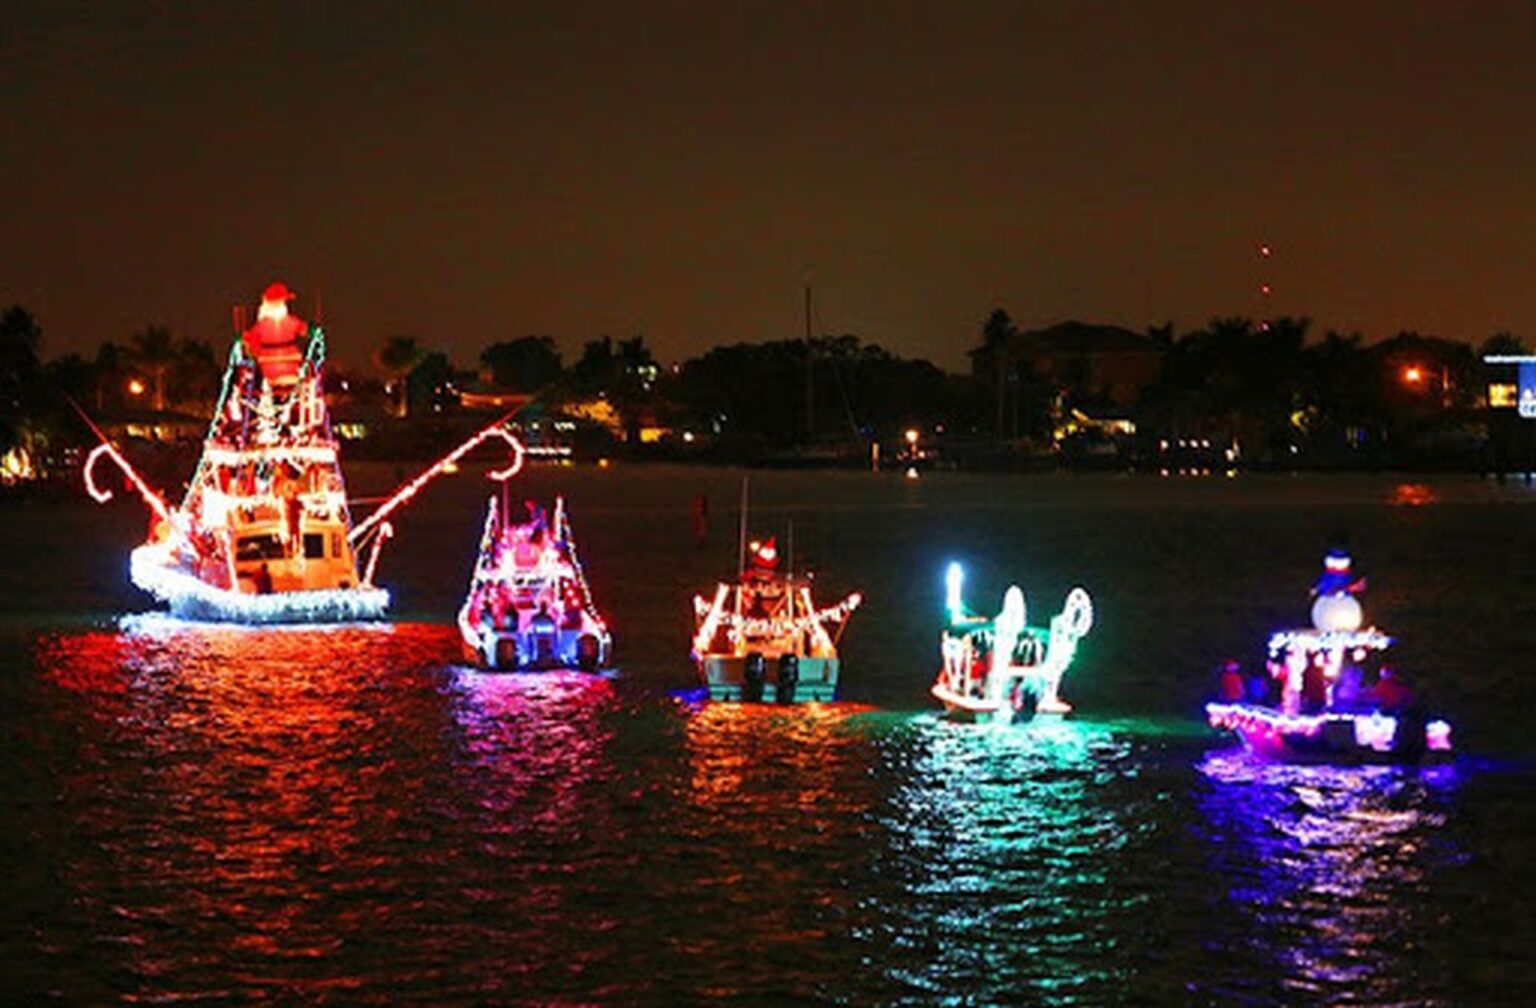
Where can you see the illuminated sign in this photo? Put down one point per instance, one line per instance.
(1521, 395)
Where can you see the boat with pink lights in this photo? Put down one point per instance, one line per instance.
(1001, 669)
(264, 532)
(1328, 692)
(529, 606)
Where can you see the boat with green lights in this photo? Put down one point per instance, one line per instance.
(1001, 669)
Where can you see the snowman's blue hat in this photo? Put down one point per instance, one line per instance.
(1337, 560)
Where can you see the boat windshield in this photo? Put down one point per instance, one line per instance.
(267, 546)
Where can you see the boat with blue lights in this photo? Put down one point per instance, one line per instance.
(1002, 669)
(1328, 692)
(264, 532)
(529, 606)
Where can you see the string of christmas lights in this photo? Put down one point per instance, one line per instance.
(101, 494)
(1328, 640)
(151, 569)
(754, 626)
(411, 489)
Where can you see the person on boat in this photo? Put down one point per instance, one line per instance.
(542, 626)
(263, 580)
(981, 664)
(538, 520)
(273, 342)
(1314, 687)
(286, 487)
(1392, 693)
(1348, 691)
(1230, 687)
(500, 610)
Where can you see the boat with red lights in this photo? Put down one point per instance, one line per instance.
(763, 638)
(529, 606)
(264, 532)
(1328, 692)
(1002, 669)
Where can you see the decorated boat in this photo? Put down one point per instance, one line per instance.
(1002, 669)
(264, 532)
(763, 636)
(1328, 691)
(529, 606)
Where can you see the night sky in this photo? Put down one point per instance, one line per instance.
(679, 170)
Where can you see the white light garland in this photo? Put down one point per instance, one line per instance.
(1375, 731)
(1328, 640)
(761, 627)
(151, 568)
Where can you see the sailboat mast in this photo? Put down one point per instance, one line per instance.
(810, 373)
(741, 535)
(789, 595)
(741, 551)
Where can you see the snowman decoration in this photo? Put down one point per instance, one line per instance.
(1336, 609)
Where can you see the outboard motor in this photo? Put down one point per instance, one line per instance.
(788, 679)
(1408, 741)
(753, 674)
(543, 633)
(588, 652)
(1024, 701)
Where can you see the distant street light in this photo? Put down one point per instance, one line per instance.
(135, 387)
(1413, 375)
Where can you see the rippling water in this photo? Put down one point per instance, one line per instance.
(342, 816)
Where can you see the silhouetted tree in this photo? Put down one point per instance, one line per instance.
(1502, 344)
(397, 357)
(522, 365)
(20, 337)
(998, 337)
(153, 352)
(430, 383)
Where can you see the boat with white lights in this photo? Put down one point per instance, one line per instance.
(1328, 692)
(762, 637)
(1002, 669)
(264, 532)
(529, 606)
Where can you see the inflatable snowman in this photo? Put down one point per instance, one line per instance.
(1336, 608)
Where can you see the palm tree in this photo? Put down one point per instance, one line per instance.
(998, 335)
(155, 351)
(397, 357)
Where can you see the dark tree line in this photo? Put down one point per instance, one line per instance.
(1269, 390)
(1272, 389)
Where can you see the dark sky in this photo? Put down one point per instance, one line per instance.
(578, 169)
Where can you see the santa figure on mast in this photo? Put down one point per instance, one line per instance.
(274, 342)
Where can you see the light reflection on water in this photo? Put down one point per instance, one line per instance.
(346, 815)
(1328, 869)
(1006, 850)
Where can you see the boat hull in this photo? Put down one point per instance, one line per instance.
(522, 652)
(192, 599)
(726, 678)
(975, 710)
(1331, 737)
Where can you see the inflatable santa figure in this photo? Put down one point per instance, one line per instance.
(275, 341)
(1336, 607)
(765, 559)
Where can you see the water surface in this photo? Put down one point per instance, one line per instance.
(351, 816)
